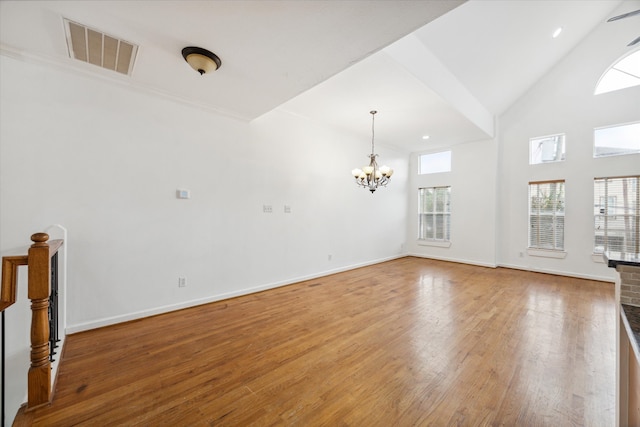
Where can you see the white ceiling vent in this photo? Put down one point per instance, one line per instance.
(92, 46)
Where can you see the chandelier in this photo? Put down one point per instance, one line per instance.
(371, 177)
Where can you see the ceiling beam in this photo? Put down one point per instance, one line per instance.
(412, 54)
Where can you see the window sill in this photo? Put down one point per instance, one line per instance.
(598, 258)
(545, 253)
(436, 243)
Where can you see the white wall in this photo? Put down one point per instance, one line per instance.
(563, 102)
(473, 204)
(105, 162)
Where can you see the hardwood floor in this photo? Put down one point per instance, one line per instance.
(407, 342)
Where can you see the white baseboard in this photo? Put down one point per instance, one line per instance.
(559, 273)
(458, 260)
(518, 267)
(108, 321)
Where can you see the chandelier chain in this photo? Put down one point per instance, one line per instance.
(373, 130)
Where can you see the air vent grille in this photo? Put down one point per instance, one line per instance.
(92, 46)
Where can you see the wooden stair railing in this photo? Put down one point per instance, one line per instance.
(38, 260)
(9, 278)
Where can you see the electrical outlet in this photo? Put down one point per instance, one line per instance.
(329, 257)
(287, 209)
(182, 282)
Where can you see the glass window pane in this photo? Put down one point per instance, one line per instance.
(617, 140)
(434, 216)
(439, 207)
(434, 163)
(546, 149)
(546, 215)
(430, 231)
(558, 242)
(447, 205)
(439, 227)
(623, 74)
(616, 214)
(447, 225)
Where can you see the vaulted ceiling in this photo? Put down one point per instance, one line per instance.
(438, 68)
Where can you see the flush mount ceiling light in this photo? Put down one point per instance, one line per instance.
(371, 177)
(557, 32)
(201, 59)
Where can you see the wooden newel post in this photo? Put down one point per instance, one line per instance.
(39, 379)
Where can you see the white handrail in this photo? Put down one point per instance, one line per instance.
(63, 312)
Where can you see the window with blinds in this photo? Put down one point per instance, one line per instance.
(546, 215)
(617, 214)
(434, 213)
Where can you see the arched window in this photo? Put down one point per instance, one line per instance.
(622, 74)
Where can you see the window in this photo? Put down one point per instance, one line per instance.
(616, 140)
(616, 214)
(546, 215)
(435, 162)
(434, 213)
(623, 74)
(546, 149)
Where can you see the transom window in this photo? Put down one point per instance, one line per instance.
(546, 149)
(623, 74)
(616, 140)
(434, 162)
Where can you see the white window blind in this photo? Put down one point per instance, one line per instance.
(434, 213)
(546, 215)
(617, 214)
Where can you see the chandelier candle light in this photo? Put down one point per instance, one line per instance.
(371, 177)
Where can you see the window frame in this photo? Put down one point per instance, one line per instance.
(537, 246)
(619, 125)
(433, 154)
(440, 228)
(540, 139)
(633, 78)
(630, 215)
